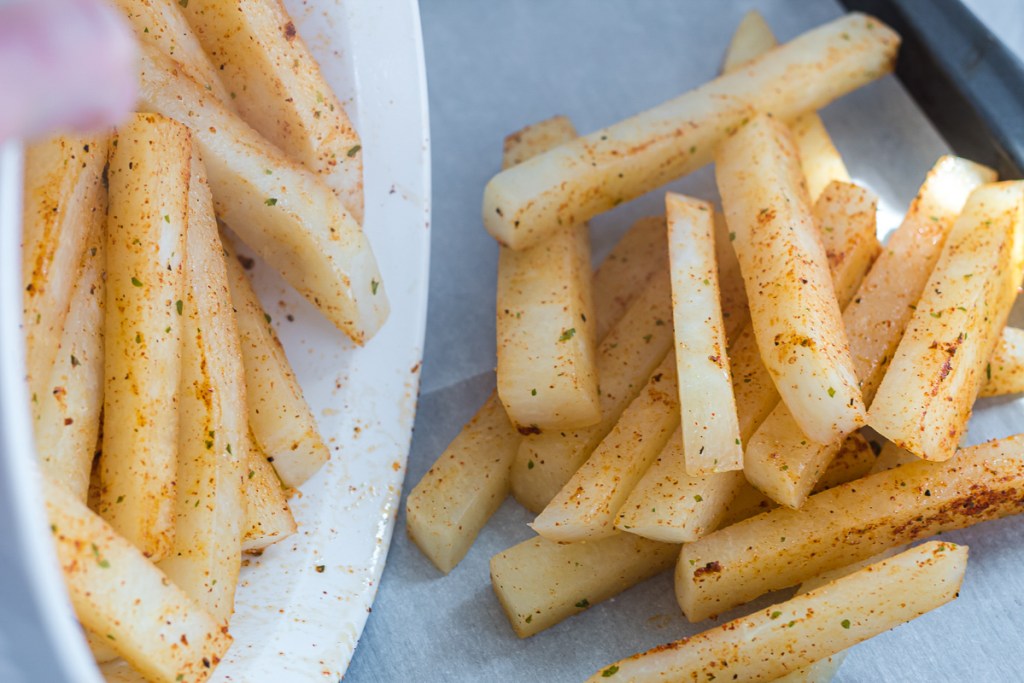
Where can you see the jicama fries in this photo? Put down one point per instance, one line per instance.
(580, 179)
(1004, 372)
(784, 637)
(849, 523)
(925, 399)
(146, 226)
(711, 433)
(781, 461)
(546, 371)
(793, 307)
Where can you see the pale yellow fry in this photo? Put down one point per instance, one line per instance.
(784, 547)
(546, 371)
(711, 433)
(819, 157)
(775, 641)
(1004, 373)
(470, 479)
(282, 424)
(209, 507)
(277, 87)
(63, 202)
(540, 583)
(68, 424)
(670, 505)
(793, 307)
(119, 595)
(146, 225)
(585, 508)
(287, 215)
(780, 460)
(925, 398)
(626, 359)
(268, 518)
(160, 23)
(582, 178)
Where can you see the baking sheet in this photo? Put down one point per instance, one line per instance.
(493, 68)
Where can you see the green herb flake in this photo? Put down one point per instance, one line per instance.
(988, 371)
(845, 623)
(737, 442)
(533, 392)
(353, 151)
(209, 444)
(136, 281)
(648, 337)
(610, 671)
(567, 334)
(74, 361)
(529, 465)
(936, 315)
(776, 615)
(183, 3)
(529, 618)
(831, 392)
(167, 218)
(120, 499)
(583, 604)
(373, 286)
(270, 201)
(266, 316)
(252, 473)
(698, 498)
(138, 337)
(111, 636)
(229, 449)
(179, 305)
(707, 282)
(732, 236)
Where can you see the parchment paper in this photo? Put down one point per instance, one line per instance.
(494, 67)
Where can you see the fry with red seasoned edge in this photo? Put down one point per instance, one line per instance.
(784, 547)
(926, 396)
(807, 628)
(793, 308)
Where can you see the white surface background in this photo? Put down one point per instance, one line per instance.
(495, 67)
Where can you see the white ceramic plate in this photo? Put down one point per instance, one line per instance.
(293, 621)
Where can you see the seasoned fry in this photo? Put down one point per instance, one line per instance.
(209, 507)
(784, 547)
(925, 398)
(282, 424)
(1004, 373)
(819, 158)
(824, 621)
(540, 583)
(780, 460)
(711, 433)
(146, 225)
(63, 203)
(268, 519)
(626, 358)
(160, 23)
(582, 178)
(288, 215)
(279, 90)
(546, 374)
(668, 504)
(793, 308)
(118, 594)
(68, 424)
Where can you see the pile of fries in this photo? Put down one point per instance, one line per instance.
(698, 401)
(169, 425)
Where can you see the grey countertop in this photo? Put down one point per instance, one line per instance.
(494, 67)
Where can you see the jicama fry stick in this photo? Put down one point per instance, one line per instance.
(783, 547)
(288, 216)
(121, 596)
(160, 23)
(793, 308)
(539, 582)
(1004, 373)
(68, 424)
(780, 460)
(268, 519)
(546, 373)
(470, 479)
(668, 504)
(146, 225)
(580, 179)
(626, 358)
(784, 637)
(209, 506)
(283, 426)
(819, 158)
(279, 90)
(925, 399)
(711, 434)
(63, 202)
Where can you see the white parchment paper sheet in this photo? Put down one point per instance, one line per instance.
(494, 67)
